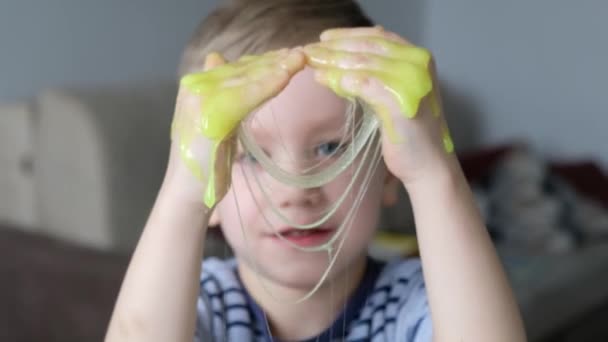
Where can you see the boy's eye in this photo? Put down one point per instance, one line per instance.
(329, 148)
(247, 157)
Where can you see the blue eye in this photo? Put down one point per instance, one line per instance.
(247, 157)
(329, 148)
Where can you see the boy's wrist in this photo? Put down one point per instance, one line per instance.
(444, 177)
(179, 197)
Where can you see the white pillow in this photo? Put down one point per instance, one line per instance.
(17, 193)
(101, 156)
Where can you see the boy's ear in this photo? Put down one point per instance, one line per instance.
(390, 195)
(214, 220)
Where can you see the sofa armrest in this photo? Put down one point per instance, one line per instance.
(100, 157)
(17, 193)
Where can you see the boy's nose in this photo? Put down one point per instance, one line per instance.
(288, 196)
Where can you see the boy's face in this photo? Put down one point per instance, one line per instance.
(297, 129)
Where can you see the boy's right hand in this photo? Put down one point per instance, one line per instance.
(209, 107)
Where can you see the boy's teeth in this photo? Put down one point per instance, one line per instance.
(298, 232)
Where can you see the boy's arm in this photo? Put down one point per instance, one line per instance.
(157, 301)
(158, 297)
(469, 295)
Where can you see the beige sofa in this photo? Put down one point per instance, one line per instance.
(79, 171)
(84, 164)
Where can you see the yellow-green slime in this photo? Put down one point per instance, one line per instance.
(222, 109)
(404, 72)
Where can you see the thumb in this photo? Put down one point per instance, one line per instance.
(213, 60)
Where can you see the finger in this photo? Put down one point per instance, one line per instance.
(290, 60)
(246, 61)
(255, 93)
(320, 56)
(195, 81)
(435, 96)
(293, 62)
(406, 82)
(380, 46)
(230, 73)
(446, 138)
(213, 60)
(377, 31)
(334, 79)
(362, 85)
(267, 53)
(406, 87)
(369, 44)
(247, 58)
(248, 76)
(231, 105)
(386, 104)
(225, 108)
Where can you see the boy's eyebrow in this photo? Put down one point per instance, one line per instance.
(318, 127)
(260, 133)
(341, 126)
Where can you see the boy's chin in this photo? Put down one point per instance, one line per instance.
(302, 274)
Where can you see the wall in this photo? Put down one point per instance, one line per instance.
(534, 70)
(81, 42)
(511, 69)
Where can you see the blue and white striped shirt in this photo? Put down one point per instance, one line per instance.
(389, 305)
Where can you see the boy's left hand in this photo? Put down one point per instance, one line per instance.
(397, 80)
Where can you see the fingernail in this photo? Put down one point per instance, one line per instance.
(319, 76)
(312, 48)
(211, 59)
(325, 34)
(279, 52)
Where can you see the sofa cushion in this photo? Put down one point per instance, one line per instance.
(101, 155)
(17, 193)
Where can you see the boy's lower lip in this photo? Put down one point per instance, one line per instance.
(312, 238)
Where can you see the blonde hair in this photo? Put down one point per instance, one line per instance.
(240, 27)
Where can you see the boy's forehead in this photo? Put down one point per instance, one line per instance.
(303, 104)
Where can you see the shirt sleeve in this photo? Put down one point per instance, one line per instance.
(414, 319)
(204, 326)
(424, 331)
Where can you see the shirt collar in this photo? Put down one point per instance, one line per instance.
(340, 326)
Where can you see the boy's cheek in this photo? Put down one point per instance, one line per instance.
(214, 220)
(390, 193)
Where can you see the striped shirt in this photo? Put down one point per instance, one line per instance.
(390, 304)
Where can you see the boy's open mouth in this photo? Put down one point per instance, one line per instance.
(306, 237)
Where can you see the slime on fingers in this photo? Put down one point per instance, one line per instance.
(225, 99)
(405, 74)
(404, 71)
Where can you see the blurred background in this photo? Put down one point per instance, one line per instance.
(86, 98)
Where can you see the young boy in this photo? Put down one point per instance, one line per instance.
(302, 88)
